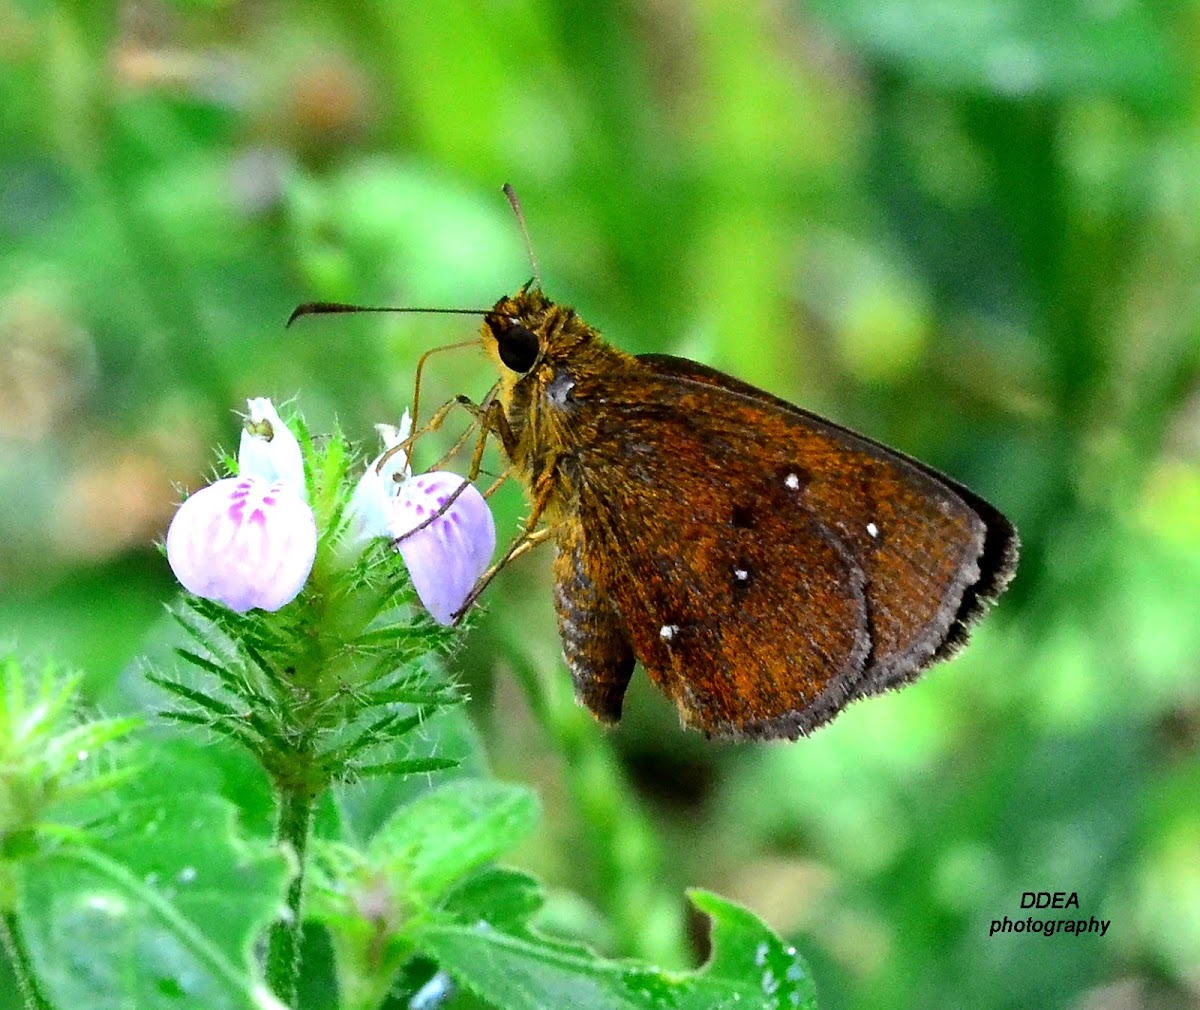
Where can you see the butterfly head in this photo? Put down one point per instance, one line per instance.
(527, 335)
(544, 353)
(515, 334)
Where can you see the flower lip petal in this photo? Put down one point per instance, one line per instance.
(268, 448)
(244, 542)
(447, 556)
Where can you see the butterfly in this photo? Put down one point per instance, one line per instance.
(764, 565)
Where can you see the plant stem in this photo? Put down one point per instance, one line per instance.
(18, 954)
(292, 828)
(625, 848)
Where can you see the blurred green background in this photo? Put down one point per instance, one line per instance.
(971, 230)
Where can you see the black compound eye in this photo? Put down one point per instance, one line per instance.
(518, 346)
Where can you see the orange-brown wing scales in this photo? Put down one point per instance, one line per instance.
(916, 542)
(799, 636)
(596, 647)
(849, 586)
(919, 537)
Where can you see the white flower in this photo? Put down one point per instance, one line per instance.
(370, 505)
(249, 541)
(244, 542)
(447, 554)
(269, 449)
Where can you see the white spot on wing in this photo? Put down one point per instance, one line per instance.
(873, 529)
(792, 481)
(741, 574)
(667, 632)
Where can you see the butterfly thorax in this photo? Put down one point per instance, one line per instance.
(541, 403)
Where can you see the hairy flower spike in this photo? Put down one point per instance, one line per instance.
(249, 541)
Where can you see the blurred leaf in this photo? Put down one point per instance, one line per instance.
(163, 914)
(1017, 48)
(504, 899)
(442, 835)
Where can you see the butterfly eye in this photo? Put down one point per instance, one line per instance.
(518, 346)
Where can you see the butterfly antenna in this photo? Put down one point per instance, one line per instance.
(516, 207)
(328, 308)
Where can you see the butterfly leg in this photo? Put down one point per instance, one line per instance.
(439, 418)
(489, 415)
(453, 450)
(491, 418)
(526, 540)
(497, 484)
(441, 511)
(416, 400)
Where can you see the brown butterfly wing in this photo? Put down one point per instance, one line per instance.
(810, 566)
(997, 562)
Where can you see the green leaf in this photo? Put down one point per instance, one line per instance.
(441, 836)
(406, 766)
(504, 899)
(368, 900)
(163, 913)
(368, 804)
(740, 938)
(750, 967)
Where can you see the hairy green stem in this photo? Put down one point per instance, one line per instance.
(292, 828)
(625, 848)
(18, 955)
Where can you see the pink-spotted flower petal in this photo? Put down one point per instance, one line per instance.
(245, 542)
(446, 557)
(268, 448)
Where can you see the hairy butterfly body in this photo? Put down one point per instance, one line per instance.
(765, 566)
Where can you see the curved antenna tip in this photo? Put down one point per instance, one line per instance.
(307, 309)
